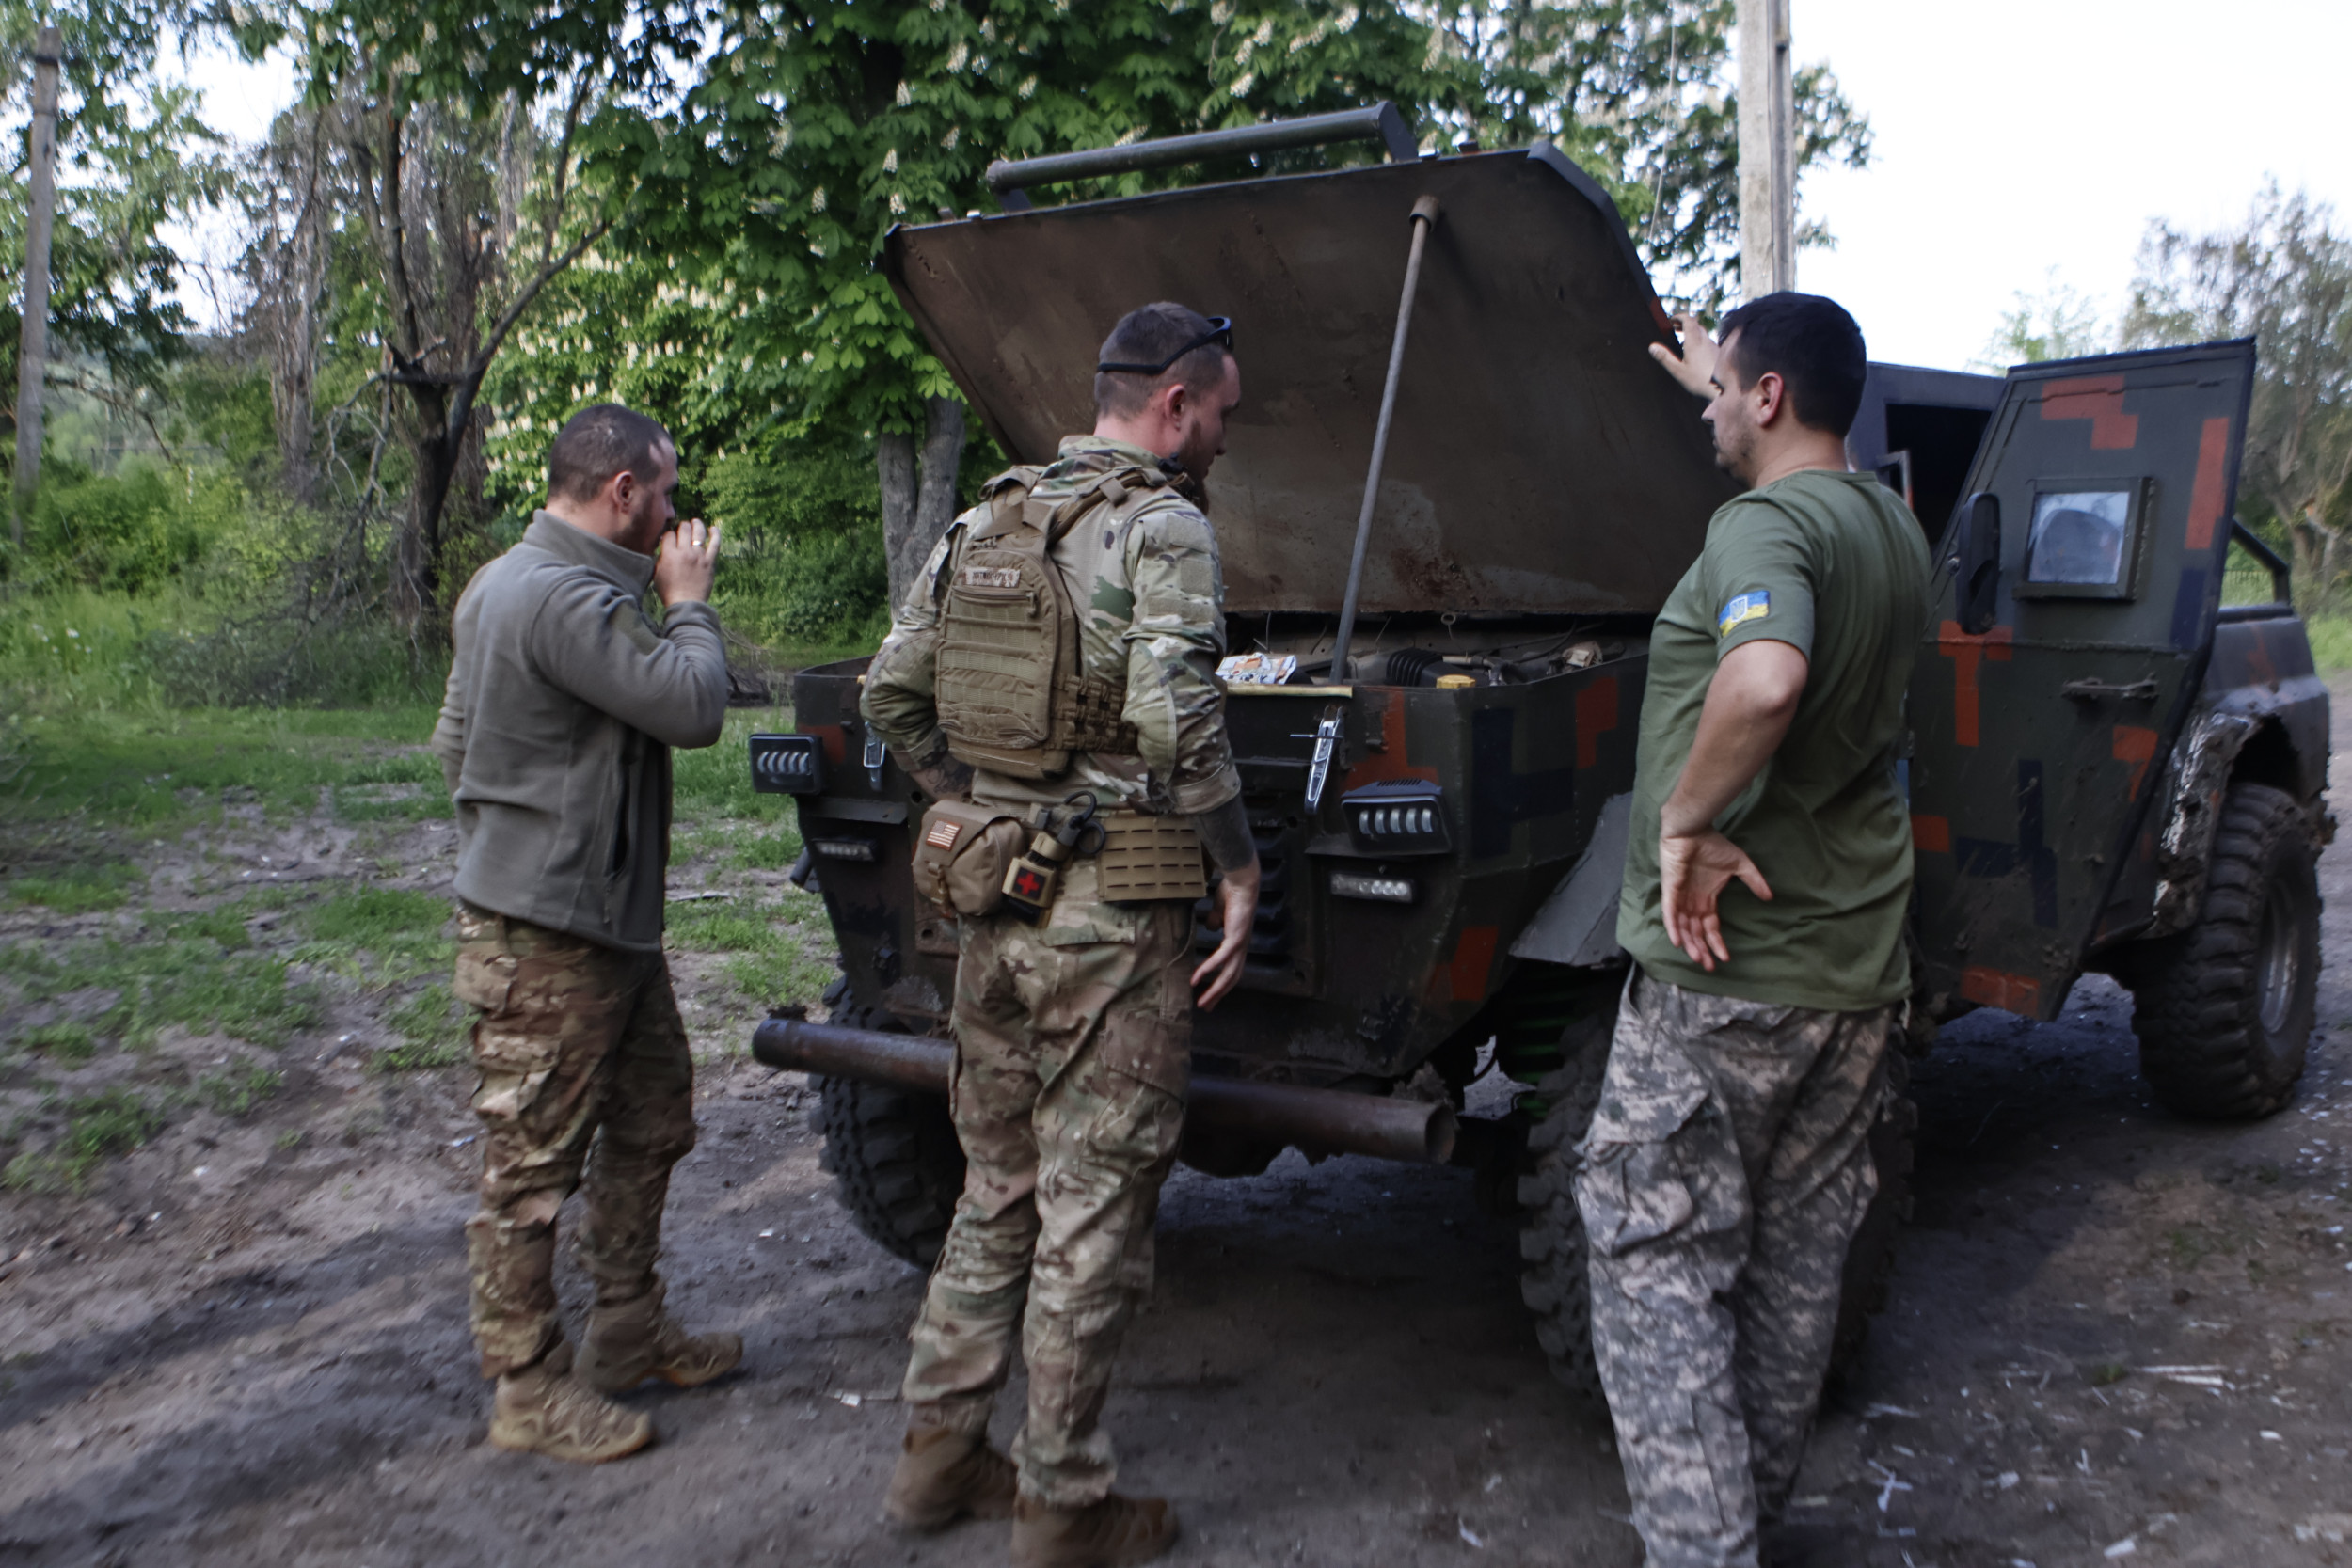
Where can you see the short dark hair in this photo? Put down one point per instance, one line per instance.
(601, 441)
(1815, 348)
(1146, 335)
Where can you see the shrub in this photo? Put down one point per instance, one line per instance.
(131, 532)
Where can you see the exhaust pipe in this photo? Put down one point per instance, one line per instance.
(1327, 1121)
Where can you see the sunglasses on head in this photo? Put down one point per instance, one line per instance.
(1220, 332)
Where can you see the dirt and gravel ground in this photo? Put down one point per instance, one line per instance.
(2113, 1335)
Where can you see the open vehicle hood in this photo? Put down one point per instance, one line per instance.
(1539, 463)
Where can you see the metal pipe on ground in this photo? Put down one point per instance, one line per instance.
(1326, 1120)
(1424, 218)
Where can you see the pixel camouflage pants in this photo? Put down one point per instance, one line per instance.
(1072, 1067)
(1726, 1169)
(577, 1043)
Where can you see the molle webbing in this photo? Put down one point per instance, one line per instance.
(1012, 693)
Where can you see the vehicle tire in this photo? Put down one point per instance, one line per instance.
(894, 1162)
(2225, 1010)
(1555, 1281)
(1553, 1253)
(1871, 1257)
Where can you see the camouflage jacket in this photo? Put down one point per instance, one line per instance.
(1152, 606)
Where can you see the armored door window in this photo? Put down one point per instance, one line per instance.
(2082, 540)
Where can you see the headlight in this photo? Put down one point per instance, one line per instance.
(1406, 819)
(787, 763)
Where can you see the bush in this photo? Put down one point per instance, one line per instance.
(131, 532)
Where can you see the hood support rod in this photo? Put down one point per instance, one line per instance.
(1424, 218)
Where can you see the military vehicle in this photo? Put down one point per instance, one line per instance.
(2109, 768)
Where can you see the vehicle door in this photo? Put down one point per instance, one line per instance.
(2039, 731)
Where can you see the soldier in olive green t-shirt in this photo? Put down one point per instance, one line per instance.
(1728, 1163)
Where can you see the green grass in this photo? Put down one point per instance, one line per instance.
(96, 1126)
(77, 888)
(433, 1029)
(2332, 638)
(237, 1091)
(767, 945)
(399, 930)
(70, 1043)
(151, 983)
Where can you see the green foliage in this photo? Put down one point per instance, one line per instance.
(2057, 322)
(129, 532)
(2332, 638)
(237, 1091)
(65, 1042)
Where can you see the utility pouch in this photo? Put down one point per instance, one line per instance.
(962, 854)
(1146, 858)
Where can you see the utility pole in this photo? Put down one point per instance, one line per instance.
(1768, 150)
(32, 355)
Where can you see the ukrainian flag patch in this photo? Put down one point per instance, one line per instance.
(1740, 610)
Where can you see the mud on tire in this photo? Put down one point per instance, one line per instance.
(2225, 1010)
(1552, 1245)
(894, 1162)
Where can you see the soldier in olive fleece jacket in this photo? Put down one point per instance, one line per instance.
(563, 702)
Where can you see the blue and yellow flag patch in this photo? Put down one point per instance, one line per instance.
(1740, 609)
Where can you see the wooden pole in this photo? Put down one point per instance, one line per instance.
(1768, 150)
(32, 357)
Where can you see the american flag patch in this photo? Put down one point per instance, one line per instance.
(943, 834)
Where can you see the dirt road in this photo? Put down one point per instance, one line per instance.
(2113, 1335)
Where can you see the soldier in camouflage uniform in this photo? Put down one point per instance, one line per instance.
(1072, 1035)
(1727, 1164)
(563, 702)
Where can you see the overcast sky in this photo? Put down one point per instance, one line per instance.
(2017, 141)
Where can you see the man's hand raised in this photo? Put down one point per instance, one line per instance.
(1695, 367)
(689, 560)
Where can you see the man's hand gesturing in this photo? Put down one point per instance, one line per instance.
(1692, 872)
(1237, 903)
(1695, 368)
(687, 562)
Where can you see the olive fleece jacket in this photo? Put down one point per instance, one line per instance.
(563, 702)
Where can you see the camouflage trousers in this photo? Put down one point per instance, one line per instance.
(576, 1044)
(1726, 1169)
(1073, 1059)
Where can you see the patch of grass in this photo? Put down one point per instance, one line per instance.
(235, 1092)
(224, 927)
(156, 983)
(77, 888)
(769, 957)
(2103, 1375)
(406, 787)
(433, 1029)
(155, 768)
(715, 783)
(64, 1042)
(399, 929)
(2330, 633)
(96, 1127)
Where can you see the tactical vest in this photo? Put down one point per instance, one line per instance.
(1010, 691)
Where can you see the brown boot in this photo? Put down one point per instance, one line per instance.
(944, 1476)
(545, 1409)
(631, 1343)
(1116, 1532)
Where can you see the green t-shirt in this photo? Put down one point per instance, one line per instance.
(1835, 565)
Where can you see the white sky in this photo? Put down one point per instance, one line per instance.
(2018, 136)
(2017, 141)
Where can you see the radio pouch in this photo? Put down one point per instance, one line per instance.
(1145, 857)
(962, 854)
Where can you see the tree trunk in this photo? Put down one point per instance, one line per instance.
(943, 455)
(903, 544)
(417, 552)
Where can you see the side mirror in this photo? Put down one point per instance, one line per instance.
(1978, 560)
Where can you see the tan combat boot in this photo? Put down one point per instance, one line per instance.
(944, 1476)
(630, 1344)
(1116, 1532)
(545, 1409)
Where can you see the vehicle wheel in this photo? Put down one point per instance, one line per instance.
(1552, 1251)
(1870, 1259)
(2225, 1010)
(894, 1162)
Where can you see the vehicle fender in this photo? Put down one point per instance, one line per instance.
(1578, 924)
